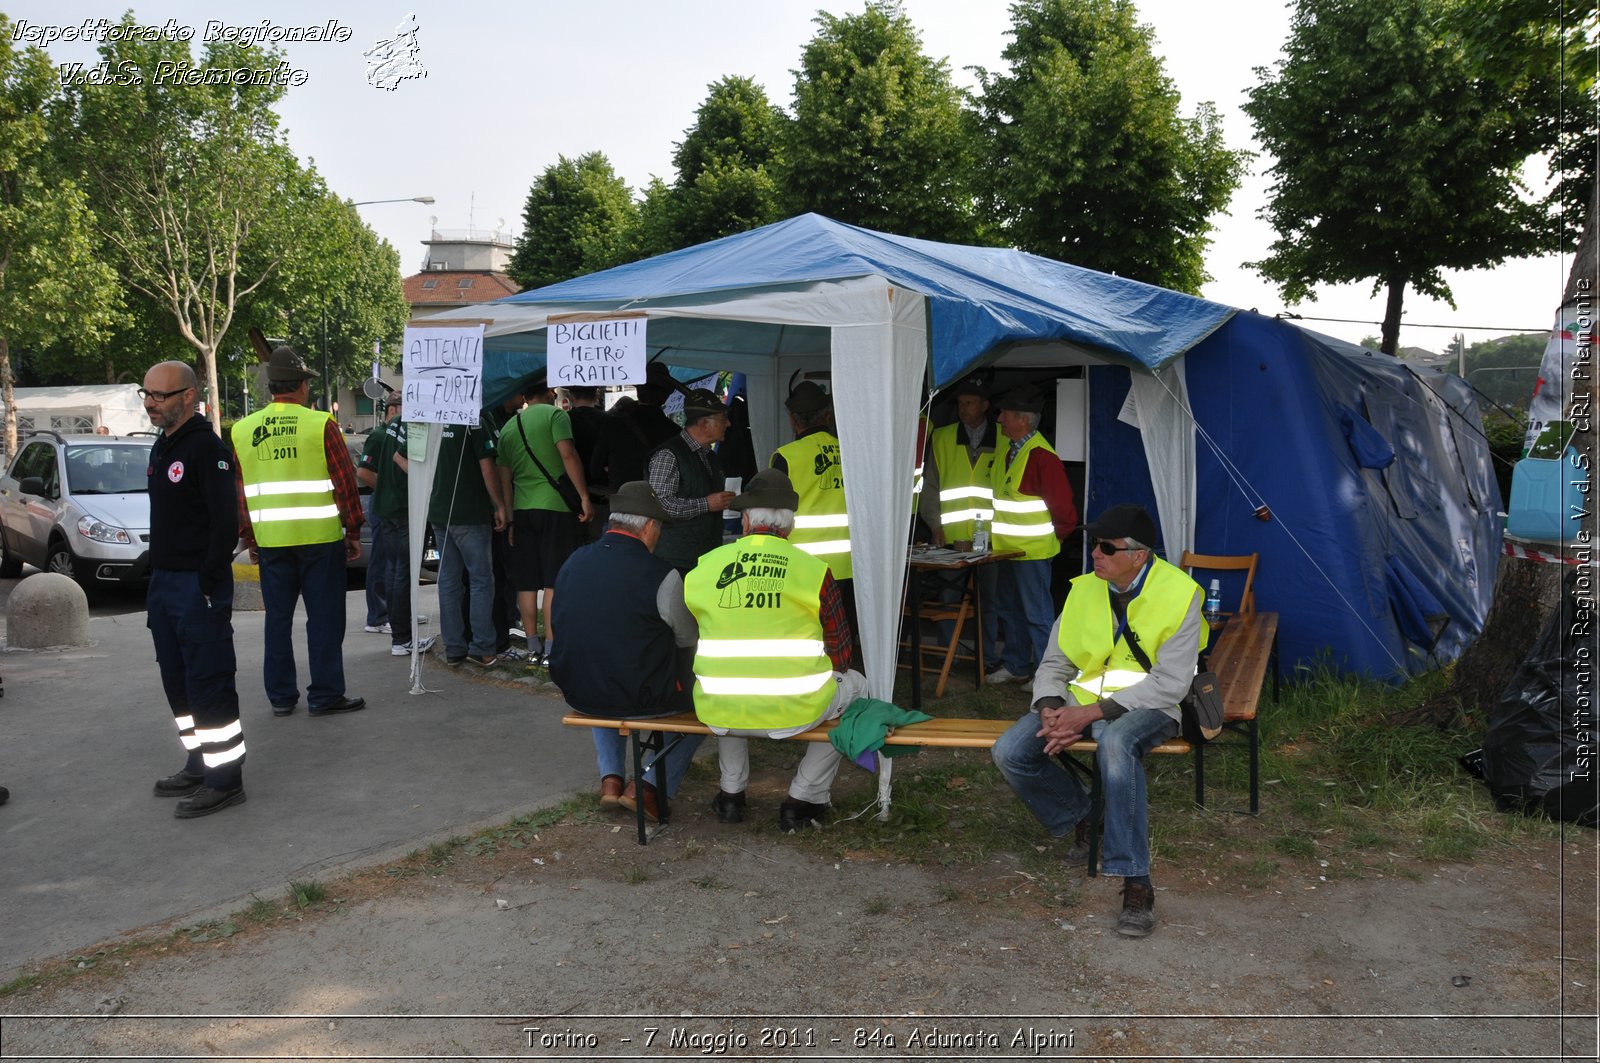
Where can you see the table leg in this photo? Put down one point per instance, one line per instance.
(914, 593)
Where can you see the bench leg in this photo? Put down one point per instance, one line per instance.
(1254, 736)
(1097, 803)
(640, 742)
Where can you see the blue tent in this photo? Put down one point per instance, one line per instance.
(1203, 412)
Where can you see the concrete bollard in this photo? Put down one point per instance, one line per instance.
(47, 609)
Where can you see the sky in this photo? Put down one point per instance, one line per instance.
(508, 88)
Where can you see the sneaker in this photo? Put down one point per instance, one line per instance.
(403, 649)
(488, 660)
(517, 634)
(1000, 675)
(537, 662)
(454, 661)
(1138, 916)
(378, 629)
(511, 655)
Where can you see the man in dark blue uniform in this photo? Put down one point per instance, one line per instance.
(194, 527)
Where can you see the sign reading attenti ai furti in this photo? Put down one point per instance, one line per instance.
(444, 373)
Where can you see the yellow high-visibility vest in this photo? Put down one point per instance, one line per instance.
(821, 524)
(1021, 521)
(761, 663)
(284, 466)
(1088, 624)
(966, 491)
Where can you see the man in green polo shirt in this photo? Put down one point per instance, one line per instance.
(534, 449)
(465, 510)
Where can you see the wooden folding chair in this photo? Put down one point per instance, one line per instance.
(1245, 563)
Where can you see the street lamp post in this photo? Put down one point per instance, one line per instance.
(409, 199)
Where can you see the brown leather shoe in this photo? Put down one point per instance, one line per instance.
(1138, 916)
(611, 791)
(630, 801)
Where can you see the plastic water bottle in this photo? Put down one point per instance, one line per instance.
(980, 536)
(1213, 607)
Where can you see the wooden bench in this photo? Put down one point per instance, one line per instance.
(1241, 656)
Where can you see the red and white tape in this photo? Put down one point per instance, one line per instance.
(1529, 553)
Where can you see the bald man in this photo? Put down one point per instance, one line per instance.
(194, 527)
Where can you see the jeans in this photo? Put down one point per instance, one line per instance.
(397, 576)
(1022, 593)
(316, 574)
(952, 592)
(377, 592)
(1058, 799)
(465, 557)
(611, 754)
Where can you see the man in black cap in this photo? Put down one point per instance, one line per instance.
(1033, 512)
(686, 475)
(632, 430)
(1120, 658)
(625, 642)
(776, 652)
(300, 516)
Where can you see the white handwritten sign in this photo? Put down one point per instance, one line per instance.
(443, 374)
(595, 353)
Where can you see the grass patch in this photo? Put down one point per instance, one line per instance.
(877, 905)
(636, 876)
(259, 910)
(304, 894)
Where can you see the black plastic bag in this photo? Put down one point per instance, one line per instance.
(1539, 752)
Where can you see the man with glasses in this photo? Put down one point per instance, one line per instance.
(1033, 511)
(300, 513)
(1120, 658)
(194, 526)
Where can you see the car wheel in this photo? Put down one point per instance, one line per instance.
(59, 559)
(10, 563)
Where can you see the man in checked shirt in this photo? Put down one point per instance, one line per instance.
(300, 516)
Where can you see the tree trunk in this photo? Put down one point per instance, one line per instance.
(7, 396)
(208, 376)
(1391, 316)
(1528, 593)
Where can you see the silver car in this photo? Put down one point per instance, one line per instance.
(78, 505)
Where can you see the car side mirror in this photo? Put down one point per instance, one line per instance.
(34, 485)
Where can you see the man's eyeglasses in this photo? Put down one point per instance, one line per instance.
(1111, 549)
(160, 396)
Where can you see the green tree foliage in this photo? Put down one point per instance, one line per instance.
(1505, 369)
(53, 288)
(580, 217)
(197, 195)
(1086, 158)
(881, 137)
(1398, 155)
(727, 165)
(337, 291)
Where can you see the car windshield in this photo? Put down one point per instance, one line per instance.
(108, 469)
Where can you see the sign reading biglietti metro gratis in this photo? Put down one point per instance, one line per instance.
(443, 374)
(593, 350)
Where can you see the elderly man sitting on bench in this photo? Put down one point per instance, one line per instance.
(1119, 659)
(624, 633)
(775, 651)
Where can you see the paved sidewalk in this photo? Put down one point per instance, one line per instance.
(87, 852)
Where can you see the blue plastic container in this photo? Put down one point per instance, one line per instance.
(1547, 498)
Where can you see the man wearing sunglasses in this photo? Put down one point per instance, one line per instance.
(1093, 683)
